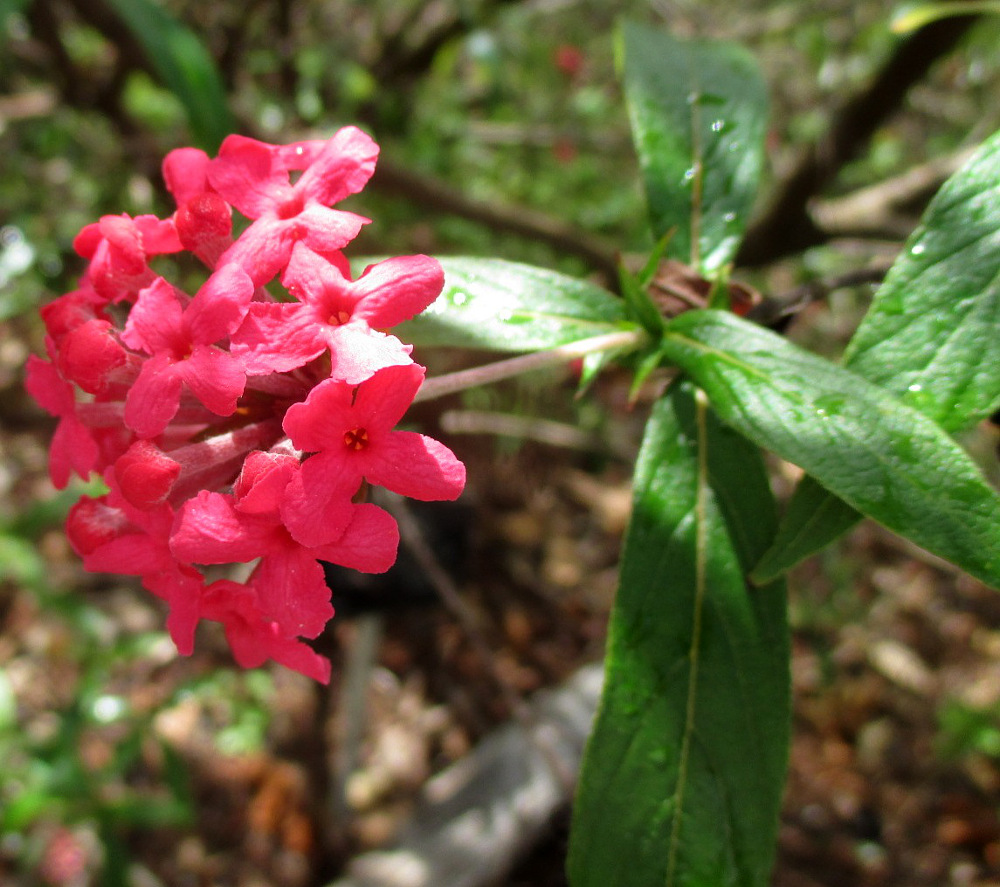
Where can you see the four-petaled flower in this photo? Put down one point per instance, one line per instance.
(337, 315)
(180, 342)
(256, 180)
(350, 431)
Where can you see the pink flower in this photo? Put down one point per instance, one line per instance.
(113, 537)
(203, 219)
(214, 528)
(184, 405)
(185, 172)
(254, 178)
(119, 248)
(338, 315)
(350, 431)
(180, 342)
(73, 446)
(252, 637)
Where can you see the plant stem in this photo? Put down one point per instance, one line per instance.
(438, 386)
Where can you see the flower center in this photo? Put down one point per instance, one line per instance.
(339, 318)
(356, 439)
(291, 207)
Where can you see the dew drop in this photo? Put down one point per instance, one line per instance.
(458, 298)
(729, 217)
(828, 405)
(689, 174)
(717, 125)
(916, 397)
(918, 249)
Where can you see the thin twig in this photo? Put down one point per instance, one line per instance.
(775, 309)
(450, 383)
(786, 226)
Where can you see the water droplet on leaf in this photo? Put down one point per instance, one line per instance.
(828, 405)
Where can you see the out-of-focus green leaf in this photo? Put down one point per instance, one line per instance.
(185, 67)
(699, 115)
(27, 806)
(932, 336)
(879, 455)
(8, 703)
(684, 772)
(507, 306)
(20, 562)
(910, 16)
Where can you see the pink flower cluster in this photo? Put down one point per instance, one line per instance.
(243, 423)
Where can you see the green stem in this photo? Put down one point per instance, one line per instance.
(439, 386)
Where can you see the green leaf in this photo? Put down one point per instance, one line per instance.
(931, 336)
(880, 456)
(185, 67)
(699, 115)
(506, 306)
(813, 518)
(683, 774)
(20, 561)
(910, 16)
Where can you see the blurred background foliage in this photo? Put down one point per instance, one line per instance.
(503, 133)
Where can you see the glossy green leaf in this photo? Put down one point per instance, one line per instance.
(181, 61)
(683, 774)
(698, 111)
(506, 306)
(864, 445)
(932, 336)
(933, 331)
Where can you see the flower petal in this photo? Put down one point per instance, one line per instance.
(369, 544)
(292, 590)
(278, 337)
(154, 324)
(397, 289)
(416, 466)
(215, 377)
(342, 168)
(154, 397)
(248, 175)
(219, 306)
(317, 507)
(209, 530)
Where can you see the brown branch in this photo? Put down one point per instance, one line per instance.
(775, 311)
(889, 208)
(786, 226)
(403, 59)
(437, 196)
